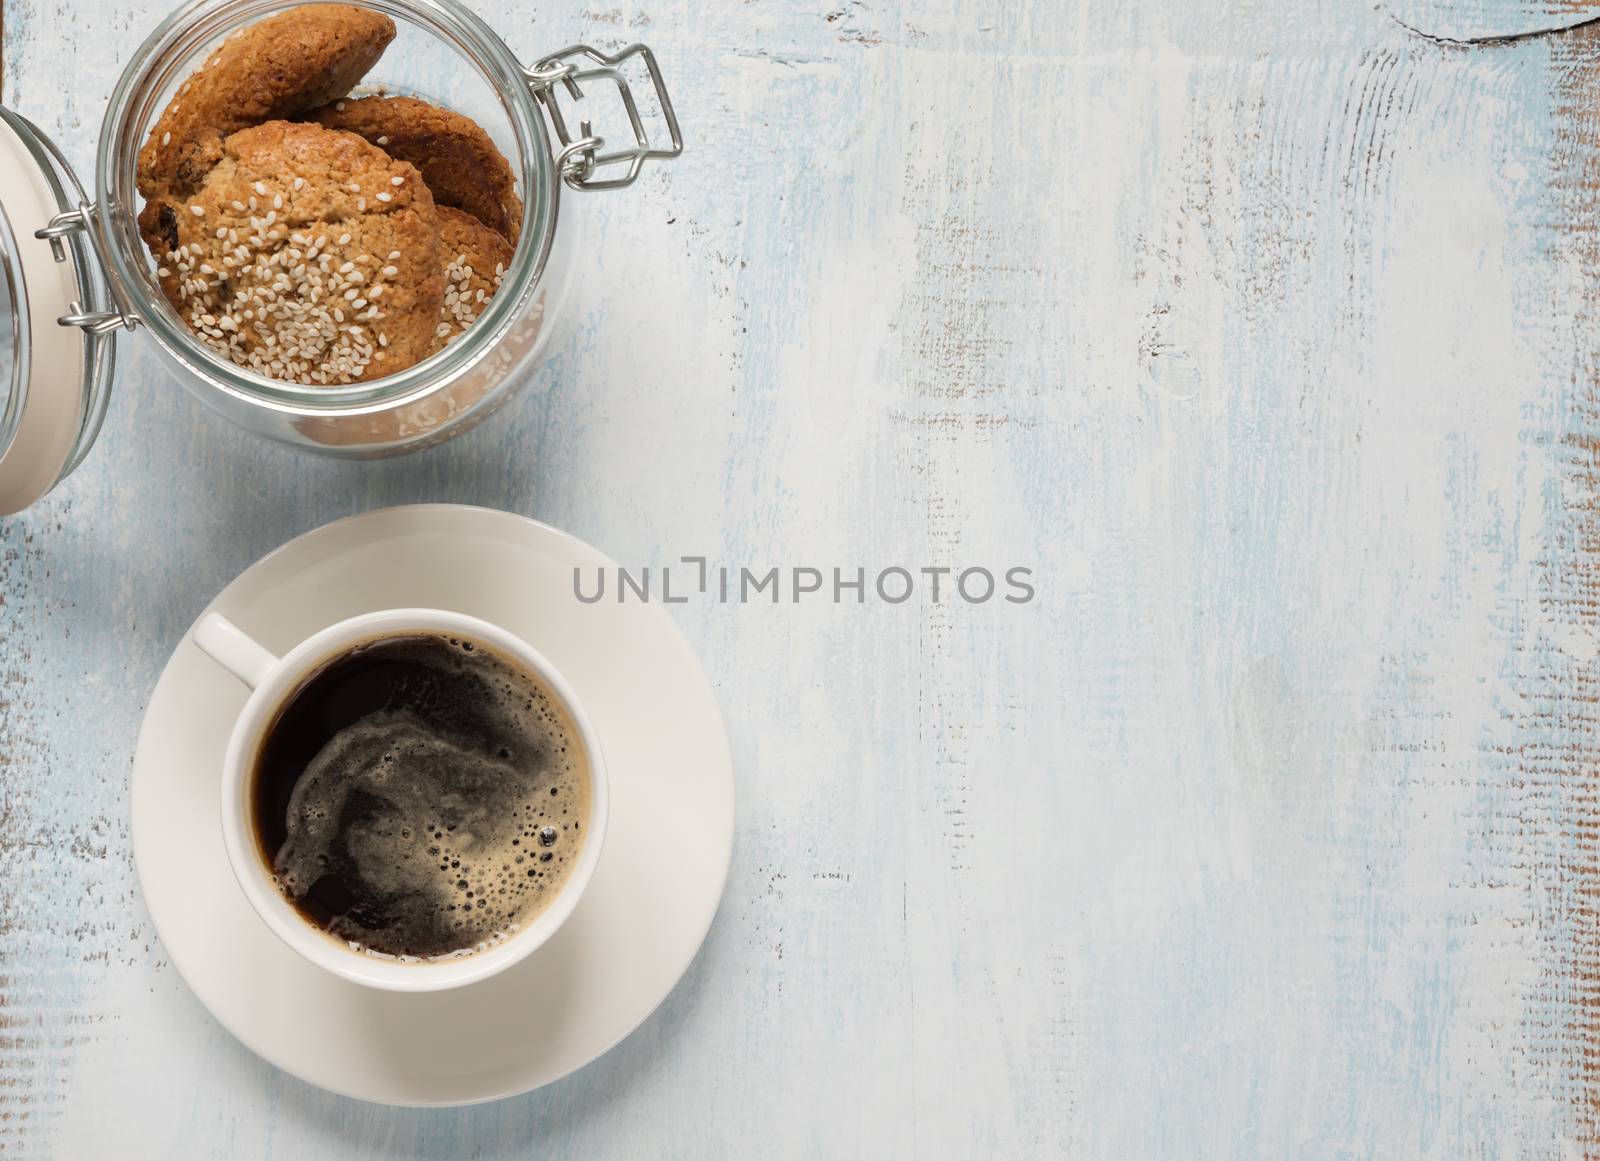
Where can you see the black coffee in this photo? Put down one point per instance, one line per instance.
(420, 795)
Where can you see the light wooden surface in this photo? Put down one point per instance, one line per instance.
(1266, 333)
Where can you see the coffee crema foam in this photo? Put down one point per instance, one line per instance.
(421, 797)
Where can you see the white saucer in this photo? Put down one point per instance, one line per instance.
(638, 925)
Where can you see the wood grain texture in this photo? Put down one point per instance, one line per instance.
(1265, 332)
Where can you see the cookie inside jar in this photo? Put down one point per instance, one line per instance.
(312, 226)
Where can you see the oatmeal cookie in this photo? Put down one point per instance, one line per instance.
(308, 255)
(475, 259)
(459, 162)
(273, 69)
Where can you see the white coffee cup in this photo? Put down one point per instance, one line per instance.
(272, 679)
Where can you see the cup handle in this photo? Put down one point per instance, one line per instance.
(226, 644)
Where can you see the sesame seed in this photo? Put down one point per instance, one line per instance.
(344, 240)
(383, 140)
(340, 106)
(361, 205)
(261, 188)
(163, 272)
(397, 180)
(384, 196)
(277, 201)
(198, 211)
(166, 138)
(390, 271)
(238, 206)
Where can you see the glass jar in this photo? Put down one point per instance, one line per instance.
(74, 270)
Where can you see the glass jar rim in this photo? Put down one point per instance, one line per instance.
(176, 41)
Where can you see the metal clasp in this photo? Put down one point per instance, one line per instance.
(59, 228)
(580, 157)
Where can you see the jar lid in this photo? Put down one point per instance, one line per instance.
(55, 367)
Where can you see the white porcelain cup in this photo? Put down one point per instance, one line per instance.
(272, 679)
